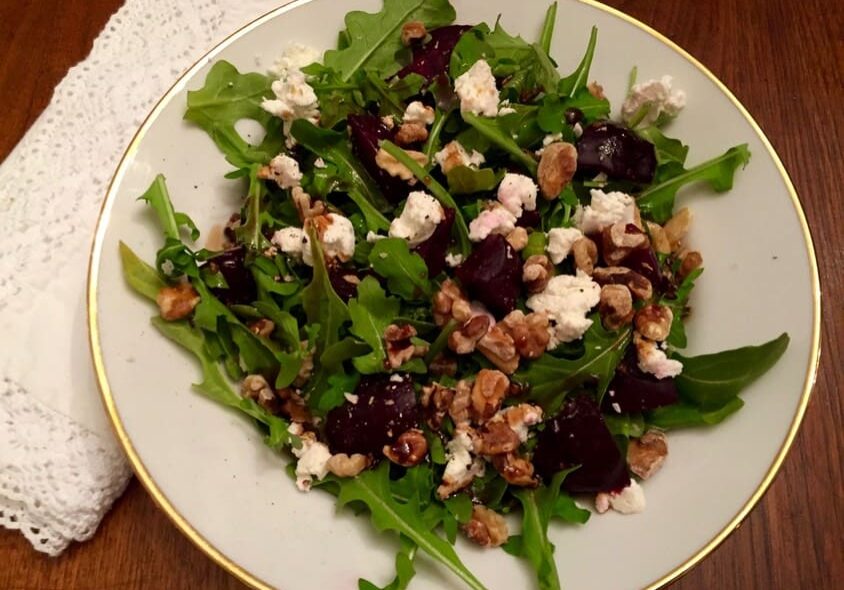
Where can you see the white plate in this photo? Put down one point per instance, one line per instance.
(206, 466)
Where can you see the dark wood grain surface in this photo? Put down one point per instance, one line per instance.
(784, 61)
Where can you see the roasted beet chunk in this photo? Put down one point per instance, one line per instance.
(493, 274)
(344, 281)
(431, 59)
(385, 407)
(644, 262)
(577, 435)
(434, 249)
(241, 284)
(617, 152)
(633, 390)
(366, 132)
(529, 219)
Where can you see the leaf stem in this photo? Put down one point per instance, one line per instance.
(498, 137)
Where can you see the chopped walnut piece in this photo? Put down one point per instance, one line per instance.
(585, 253)
(658, 238)
(399, 347)
(498, 347)
(262, 327)
(343, 465)
(654, 321)
(646, 455)
(677, 227)
(518, 239)
(411, 133)
(690, 261)
(496, 437)
(619, 240)
(596, 90)
(529, 332)
(487, 528)
(464, 339)
(536, 273)
(177, 302)
(443, 364)
(294, 406)
(557, 166)
(255, 387)
(515, 470)
(461, 403)
(395, 168)
(519, 418)
(616, 306)
(304, 207)
(409, 449)
(489, 390)
(412, 31)
(437, 400)
(445, 300)
(621, 275)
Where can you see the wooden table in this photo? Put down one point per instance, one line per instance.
(782, 58)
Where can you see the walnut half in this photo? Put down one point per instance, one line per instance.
(646, 455)
(487, 528)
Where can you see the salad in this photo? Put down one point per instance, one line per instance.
(456, 290)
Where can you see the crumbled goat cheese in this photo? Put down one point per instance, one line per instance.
(417, 112)
(319, 163)
(578, 129)
(497, 220)
(654, 98)
(567, 299)
(520, 418)
(294, 99)
(418, 220)
(372, 237)
(313, 462)
(338, 240)
(630, 500)
(396, 378)
(292, 241)
(517, 192)
(477, 91)
(454, 154)
(285, 171)
(459, 463)
(548, 140)
(294, 57)
(653, 360)
(351, 397)
(560, 241)
(604, 210)
(453, 260)
(505, 109)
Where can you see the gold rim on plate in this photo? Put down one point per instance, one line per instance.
(228, 564)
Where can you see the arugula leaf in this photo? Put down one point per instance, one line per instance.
(371, 312)
(550, 378)
(668, 149)
(522, 126)
(405, 271)
(677, 333)
(372, 487)
(322, 304)
(571, 84)
(141, 276)
(686, 415)
(391, 96)
(227, 97)
(628, 425)
(404, 568)
(491, 130)
(463, 180)
(372, 40)
(375, 221)
(249, 232)
(657, 201)
(548, 28)
(174, 253)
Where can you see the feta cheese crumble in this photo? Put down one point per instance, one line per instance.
(454, 155)
(285, 171)
(517, 192)
(653, 360)
(338, 239)
(560, 242)
(293, 241)
(652, 99)
(497, 220)
(294, 57)
(460, 466)
(567, 299)
(418, 220)
(453, 260)
(294, 99)
(477, 91)
(417, 112)
(630, 500)
(605, 209)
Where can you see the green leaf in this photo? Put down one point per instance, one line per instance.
(491, 130)
(667, 149)
(141, 276)
(249, 233)
(463, 180)
(628, 425)
(686, 415)
(404, 569)
(548, 28)
(677, 334)
(371, 312)
(372, 40)
(657, 201)
(227, 97)
(405, 271)
(322, 304)
(550, 378)
(372, 487)
(571, 84)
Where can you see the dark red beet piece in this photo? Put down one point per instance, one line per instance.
(645, 262)
(431, 59)
(434, 249)
(366, 132)
(384, 410)
(577, 435)
(231, 265)
(617, 152)
(633, 390)
(493, 275)
(529, 218)
(345, 289)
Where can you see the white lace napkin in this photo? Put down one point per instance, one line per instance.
(60, 468)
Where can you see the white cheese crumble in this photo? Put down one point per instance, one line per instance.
(294, 242)
(505, 109)
(578, 129)
(418, 220)
(396, 378)
(630, 500)
(477, 91)
(520, 418)
(294, 57)
(351, 397)
(652, 99)
(605, 209)
(372, 237)
(517, 192)
(454, 154)
(338, 240)
(453, 260)
(567, 299)
(653, 360)
(319, 163)
(459, 463)
(560, 242)
(417, 112)
(497, 220)
(285, 171)
(294, 99)
(313, 461)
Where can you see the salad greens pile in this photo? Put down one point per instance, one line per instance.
(331, 312)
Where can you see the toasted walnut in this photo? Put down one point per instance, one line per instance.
(461, 403)
(498, 347)
(262, 327)
(646, 455)
(400, 349)
(177, 302)
(585, 253)
(409, 133)
(343, 465)
(496, 437)
(395, 168)
(451, 156)
(409, 449)
(436, 400)
(557, 166)
(616, 306)
(445, 300)
(255, 387)
(306, 369)
(654, 321)
(443, 364)
(536, 273)
(658, 238)
(464, 339)
(294, 406)
(677, 227)
(529, 332)
(389, 121)
(412, 31)
(489, 390)
(515, 470)
(621, 275)
(690, 261)
(487, 528)
(518, 239)
(596, 90)
(519, 418)
(619, 240)
(304, 207)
